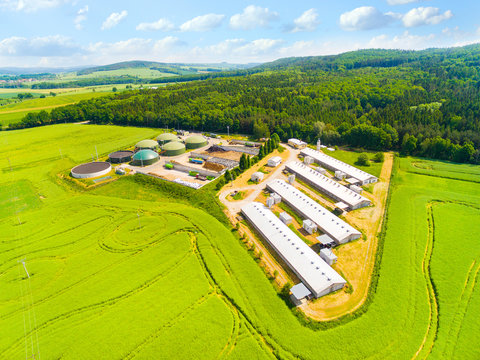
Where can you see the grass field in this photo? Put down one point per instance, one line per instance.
(13, 113)
(144, 73)
(173, 282)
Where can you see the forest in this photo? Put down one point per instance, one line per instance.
(423, 103)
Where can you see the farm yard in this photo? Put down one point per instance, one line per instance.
(138, 268)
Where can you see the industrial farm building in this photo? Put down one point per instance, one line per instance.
(146, 144)
(297, 144)
(91, 170)
(195, 142)
(327, 222)
(328, 186)
(173, 148)
(122, 156)
(337, 165)
(166, 137)
(315, 274)
(145, 158)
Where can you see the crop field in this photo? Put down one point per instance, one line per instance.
(129, 270)
(13, 113)
(139, 72)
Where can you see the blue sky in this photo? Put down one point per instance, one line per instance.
(80, 32)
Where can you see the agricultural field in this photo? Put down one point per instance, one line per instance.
(139, 268)
(13, 113)
(144, 73)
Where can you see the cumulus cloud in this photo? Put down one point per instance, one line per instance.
(425, 16)
(400, 2)
(113, 19)
(81, 17)
(159, 25)
(31, 5)
(308, 21)
(203, 23)
(365, 18)
(47, 46)
(406, 41)
(252, 17)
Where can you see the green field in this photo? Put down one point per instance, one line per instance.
(13, 113)
(139, 269)
(144, 73)
(351, 158)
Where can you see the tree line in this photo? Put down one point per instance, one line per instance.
(423, 103)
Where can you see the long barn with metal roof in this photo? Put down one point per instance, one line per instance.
(314, 272)
(337, 165)
(328, 186)
(329, 223)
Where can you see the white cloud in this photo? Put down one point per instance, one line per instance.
(47, 46)
(81, 17)
(159, 25)
(400, 2)
(31, 5)
(404, 41)
(252, 17)
(425, 16)
(113, 19)
(308, 21)
(203, 23)
(365, 18)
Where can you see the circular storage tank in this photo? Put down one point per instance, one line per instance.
(166, 138)
(146, 144)
(120, 156)
(195, 142)
(91, 170)
(145, 157)
(173, 148)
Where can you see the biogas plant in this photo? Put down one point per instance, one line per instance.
(189, 159)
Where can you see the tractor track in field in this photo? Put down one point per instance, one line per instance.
(89, 277)
(432, 330)
(472, 277)
(462, 306)
(98, 305)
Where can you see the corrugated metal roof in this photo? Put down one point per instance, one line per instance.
(341, 192)
(329, 223)
(350, 170)
(314, 272)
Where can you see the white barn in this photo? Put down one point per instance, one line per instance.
(327, 222)
(274, 161)
(257, 176)
(337, 165)
(328, 186)
(314, 272)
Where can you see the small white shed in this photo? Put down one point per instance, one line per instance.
(274, 161)
(328, 255)
(340, 175)
(277, 198)
(286, 218)
(308, 160)
(257, 176)
(309, 226)
(321, 170)
(300, 294)
(291, 179)
(270, 202)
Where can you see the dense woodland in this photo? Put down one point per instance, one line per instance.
(423, 103)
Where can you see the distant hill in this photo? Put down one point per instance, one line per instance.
(37, 70)
(380, 58)
(172, 68)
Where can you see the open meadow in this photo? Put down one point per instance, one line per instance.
(13, 113)
(145, 269)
